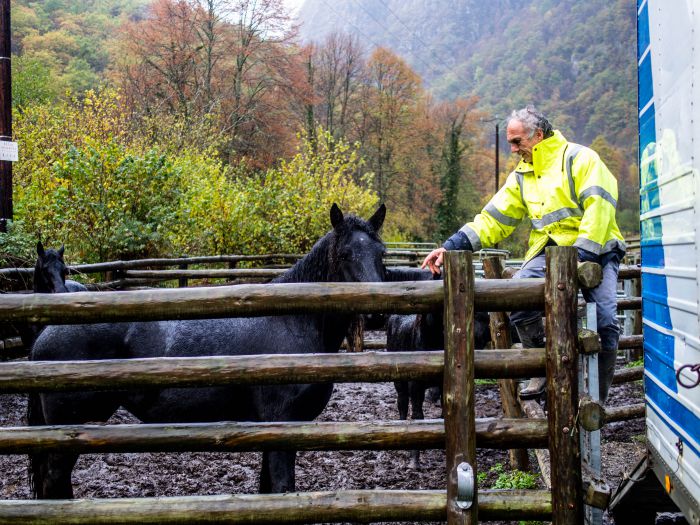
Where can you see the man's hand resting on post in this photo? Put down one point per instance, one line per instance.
(434, 260)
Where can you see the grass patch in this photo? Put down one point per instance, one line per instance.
(639, 438)
(485, 381)
(500, 478)
(638, 362)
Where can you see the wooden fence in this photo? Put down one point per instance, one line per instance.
(460, 434)
(460, 363)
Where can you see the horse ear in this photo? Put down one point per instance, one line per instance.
(61, 250)
(336, 216)
(39, 249)
(377, 219)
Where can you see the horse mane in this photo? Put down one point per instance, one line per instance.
(321, 263)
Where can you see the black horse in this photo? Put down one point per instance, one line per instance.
(351, 252)
(50, 273)
(422, 332)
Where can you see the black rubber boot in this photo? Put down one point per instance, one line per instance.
(532, 336)
(606, 370)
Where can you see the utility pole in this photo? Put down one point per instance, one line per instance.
(5, 113)
(497, 182)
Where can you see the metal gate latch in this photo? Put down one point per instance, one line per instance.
(465, 486)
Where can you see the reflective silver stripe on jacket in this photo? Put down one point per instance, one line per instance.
(520, 177)
(554, 216)
(589, 245)
(472, 236)
(500, 217)
(572, 150)
(597, 190)
(596, 248)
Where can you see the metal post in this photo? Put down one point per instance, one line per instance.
(5, 113)
(590, 441)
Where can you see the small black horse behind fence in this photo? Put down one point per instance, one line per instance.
(50, 273)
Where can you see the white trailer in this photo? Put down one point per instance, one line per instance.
(668, 52)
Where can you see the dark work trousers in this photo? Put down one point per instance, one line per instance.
(605, 297)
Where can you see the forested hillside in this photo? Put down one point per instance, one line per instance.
(169, 127)
(573, 59)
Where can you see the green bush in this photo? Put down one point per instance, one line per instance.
(91, 179)
(17, 248)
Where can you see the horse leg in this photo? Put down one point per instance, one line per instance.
(277, 472)
(417, 394)
(55, 472)
(50, 473)
(402, 398)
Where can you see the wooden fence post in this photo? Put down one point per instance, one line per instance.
(500, 335)
(459, 410)
(182, 282)
(561, 289)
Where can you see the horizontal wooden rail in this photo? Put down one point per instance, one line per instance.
(630, 341)
(272, 509)
(491, 433)
(629, 271)
(626, 375)
(625, 413)
(165, 275)
(161, 372)
(261, 299)
(630, 303)
(114, 266)
(626, 303)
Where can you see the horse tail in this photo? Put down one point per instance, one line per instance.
(37, 461)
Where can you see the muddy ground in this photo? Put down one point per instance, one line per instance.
(163, 474)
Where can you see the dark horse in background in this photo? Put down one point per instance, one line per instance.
(351, 252)
(50, 272)
(423, 331)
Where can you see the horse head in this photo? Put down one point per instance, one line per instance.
(50, 270)
(357, 251)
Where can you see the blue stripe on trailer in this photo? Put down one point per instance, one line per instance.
(649, 199)
(655, 296)
(647, 131)
(673, 411)
(658, 347)
(643, 30)
(646, 90)
(658, 357)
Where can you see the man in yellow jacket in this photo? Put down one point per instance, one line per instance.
(569, 196)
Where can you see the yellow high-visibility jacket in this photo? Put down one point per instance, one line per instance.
(568, 194)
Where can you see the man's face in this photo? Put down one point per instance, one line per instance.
(519, 140)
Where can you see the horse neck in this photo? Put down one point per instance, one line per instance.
(314, 267)
(39, 284)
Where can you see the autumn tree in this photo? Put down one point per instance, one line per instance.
(162, 53)
(338, 64)
(228, 61)
(388, 100)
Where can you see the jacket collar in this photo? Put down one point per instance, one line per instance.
(544, 153)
